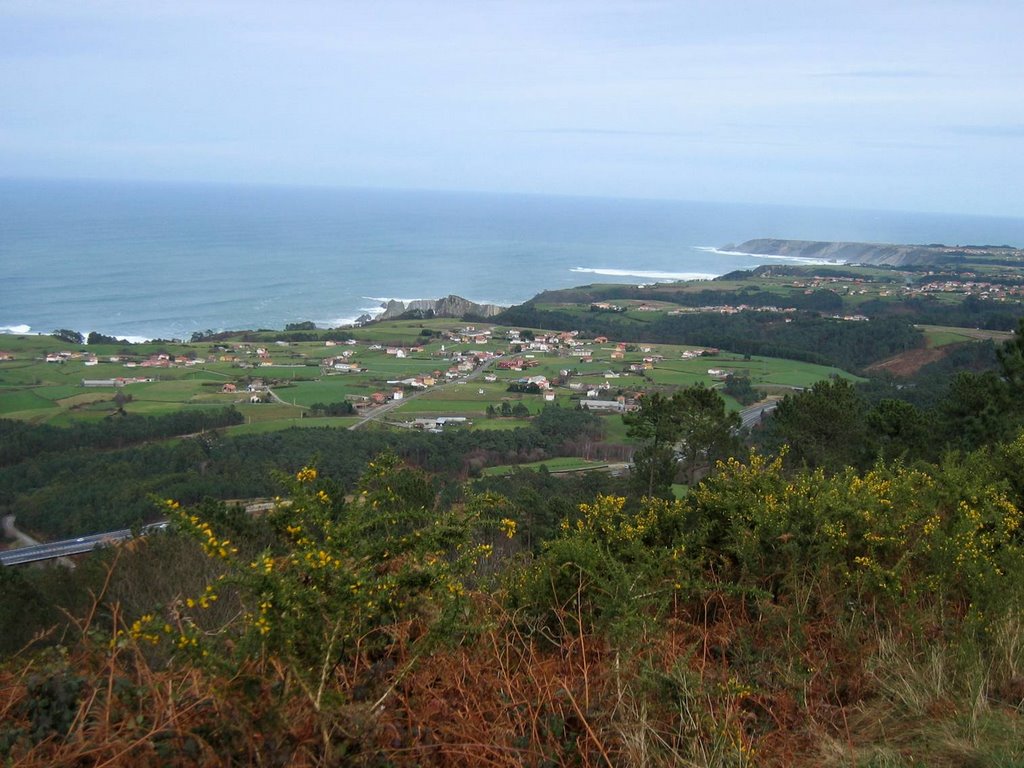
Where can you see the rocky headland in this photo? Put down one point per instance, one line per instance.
(873, 253)
(449, 306)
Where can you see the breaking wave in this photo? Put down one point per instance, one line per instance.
(794, 259)
(646, 274)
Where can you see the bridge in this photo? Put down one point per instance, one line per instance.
(69, 547)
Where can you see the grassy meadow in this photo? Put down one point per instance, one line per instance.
(32, 389)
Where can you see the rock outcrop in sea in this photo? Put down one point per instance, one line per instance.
(449, 306)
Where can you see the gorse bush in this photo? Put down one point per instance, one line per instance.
(347, 592)
(611, 568)
(755, 622)
(943, 541)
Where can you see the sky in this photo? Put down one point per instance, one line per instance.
(884, 104)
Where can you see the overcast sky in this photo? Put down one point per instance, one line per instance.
(872, 104)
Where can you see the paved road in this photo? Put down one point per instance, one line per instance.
(56, 549)
(752, 416)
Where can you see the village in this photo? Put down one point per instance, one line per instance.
(432, 375)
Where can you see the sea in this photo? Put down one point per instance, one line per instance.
(148, 260)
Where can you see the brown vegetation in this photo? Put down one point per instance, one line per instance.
(906, 364)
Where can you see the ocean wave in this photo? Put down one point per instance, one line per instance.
(337, 322)
(132, 339)
(646, 274)
(19, 329)
(122, 337)
(794, 259)
(386, 299)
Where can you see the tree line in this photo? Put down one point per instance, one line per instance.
(804, 336)
(70, 488)
(23, 441)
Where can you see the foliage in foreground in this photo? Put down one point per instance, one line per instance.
(768, 619)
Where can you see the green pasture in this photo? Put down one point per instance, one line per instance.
(261, 427)
(940, 335)
(615, 429)
(665, 375)
(88, 398)
(429, 408)
(57, 374)
(23, 372)
(379, 364)
(330, 389)
(462, 399)
(32, 345)
(58, 392)
(179, 391)
(405, 332)
(162, 407)
(314, 352)
(34, 390)
(558, 464)
(761, 370)
(287, 372)
(260, 412)
(26, 404)
(64, 418)
(547, 366)
(944, 338)
(731, 403)
(793, 373)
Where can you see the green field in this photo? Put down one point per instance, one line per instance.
(558, 464)
(330, 389)
(32, 389)
(27, 404)
(944, 338)
(939, 336)
(260, 427)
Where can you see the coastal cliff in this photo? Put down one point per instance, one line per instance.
(449, 306)
(872, 253)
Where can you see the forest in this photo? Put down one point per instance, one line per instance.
(808, 336)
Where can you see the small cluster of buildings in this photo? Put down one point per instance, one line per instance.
(849, 318)
(964, 283)
(156, 360)
(981, 289)
(730, 309)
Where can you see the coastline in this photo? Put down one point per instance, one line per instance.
(166, 261)
(612, 275)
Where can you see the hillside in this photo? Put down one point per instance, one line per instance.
(829, 576)
(875, 253)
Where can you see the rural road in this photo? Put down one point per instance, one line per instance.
(381, 410)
